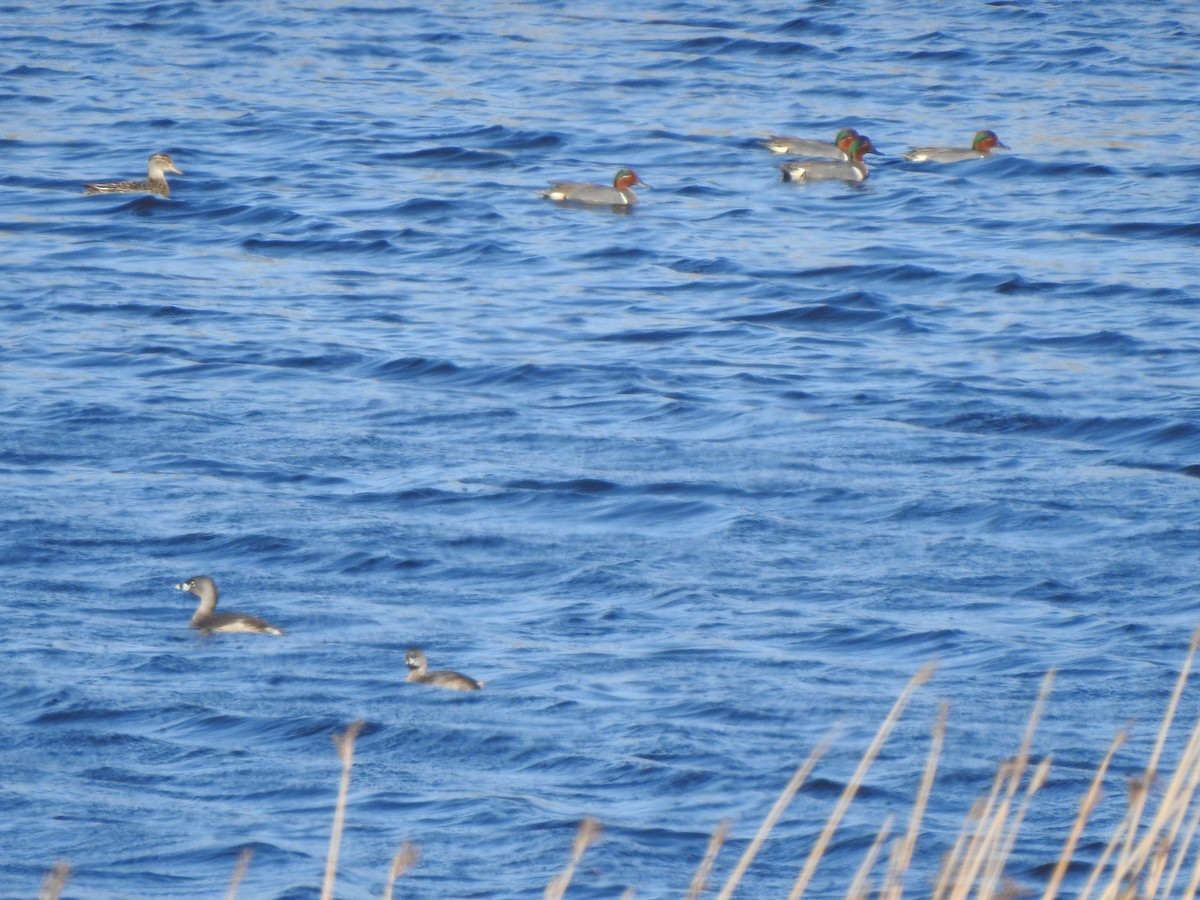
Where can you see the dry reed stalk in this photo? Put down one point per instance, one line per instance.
(588, 834)
(814, 857)
(1135, 856)
(781, 803)
(858, 887)
(1138, 795)
(700, 879)
(1086, 805)
(344, 743)
(981, 813)
(992, 826)
(55, 881)
(1113, 842)
(1155, 870)
(950, 859)
(986, 832)
(989, 884)
(903, 850)
(404, 859)
(1194, 883)
(1173, 705)
(1182, 803)
(239, 872)
(1182, 854)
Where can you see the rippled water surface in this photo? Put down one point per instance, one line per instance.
(692, 487)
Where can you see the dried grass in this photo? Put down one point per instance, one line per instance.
(1145, 857)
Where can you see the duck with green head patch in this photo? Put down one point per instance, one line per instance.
(811, 149)
(853, 169)
(982, 146)
(620, 194)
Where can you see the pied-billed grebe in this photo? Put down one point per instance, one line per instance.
(208, 621)
(155, 183)
(620, 194)
(417, 665)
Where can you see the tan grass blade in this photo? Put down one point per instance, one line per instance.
(1181, 852)
(55, 881)
(1176, 803)
(1086, 805)
(985, 832)
(781, 803)
(847, 797)
(858, 887)
(951, 860)
(966, 848)
(1113, 843)
(992, 825)
(239, 872)
(1135, 856)
(402, 861)
(994, 868)
(344, 743)
(700, 879)
(1194, 884)
(902, 857)
(588, 834)
(1155, 870)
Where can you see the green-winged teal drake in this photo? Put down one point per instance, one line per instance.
(981, 148)
(620, 194)
(853, 169)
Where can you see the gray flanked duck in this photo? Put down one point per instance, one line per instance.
(418, 672)
(620, 194)
(811, 149)
(156, 180)
(981, 148)
(209, 621)
(853, 169)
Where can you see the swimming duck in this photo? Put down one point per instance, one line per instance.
(620, 194)
(155, 183)
(208, 621)
(814, 149)
(981, 148)
(853, 169)
(455, 681)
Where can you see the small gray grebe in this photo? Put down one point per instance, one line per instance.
(208, 621)
(455, 681)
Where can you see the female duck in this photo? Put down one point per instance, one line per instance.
(620, 194)
(155, 183)
(814, 149)
(417, 672)
(981, 148)
(853, 169)
(208, 621)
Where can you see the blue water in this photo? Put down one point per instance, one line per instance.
(691, 488)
